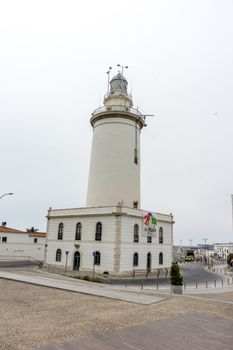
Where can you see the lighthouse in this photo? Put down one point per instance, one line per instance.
(114, 175)
(112, 233)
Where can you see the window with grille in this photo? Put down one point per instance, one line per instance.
(98, 231)
(136, 233)
(78, 231)
(58, 255)
(60, 231)
(160, 235)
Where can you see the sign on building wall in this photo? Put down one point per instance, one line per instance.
(150, 225)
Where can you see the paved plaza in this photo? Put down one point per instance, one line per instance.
(193, 331)
(35, 317)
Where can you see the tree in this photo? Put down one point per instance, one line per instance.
(175, 276)
(230, 259)
(32, 229)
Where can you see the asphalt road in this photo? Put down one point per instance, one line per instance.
(17, 264)
(192, 273)
(195, 272)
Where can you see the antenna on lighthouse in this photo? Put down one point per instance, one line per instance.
(108, 72)
(122, 68)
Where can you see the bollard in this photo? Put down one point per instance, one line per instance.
(206, 284)
(222, 282)
(157, 285)
(228, 281)
(196, 284)
(126, 285)
(184, 285)
(142, 286)
(215, 283)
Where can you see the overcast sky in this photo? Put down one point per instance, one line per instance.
(53, 61)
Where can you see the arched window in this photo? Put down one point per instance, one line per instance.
(135, 259)
(58, 255)
(60, 231)
(98, 231)
(78, 231)
(160, 258)
(160, 235)
(149, 239)
(135, 234)
(97, 258)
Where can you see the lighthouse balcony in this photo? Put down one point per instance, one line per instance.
(116, 108)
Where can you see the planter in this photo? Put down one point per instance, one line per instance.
(176, 289)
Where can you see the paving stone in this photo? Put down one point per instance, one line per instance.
(195, 331)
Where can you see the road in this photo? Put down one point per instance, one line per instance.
(17, 264)
(192, 273)
(195, 272)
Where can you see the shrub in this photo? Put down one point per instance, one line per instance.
(175, 276)
(86, 278)
(230, 259)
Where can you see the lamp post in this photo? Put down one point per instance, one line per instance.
(67, 252)
(108, 72)
(6, 194)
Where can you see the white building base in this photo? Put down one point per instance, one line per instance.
(117, 246)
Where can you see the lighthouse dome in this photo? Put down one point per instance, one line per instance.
(118, 85)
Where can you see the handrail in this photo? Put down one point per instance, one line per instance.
(119, 108)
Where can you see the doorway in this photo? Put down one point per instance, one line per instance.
(148, 264)
(76, 261)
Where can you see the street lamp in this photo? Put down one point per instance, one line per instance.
(108, 72)
(6, 194)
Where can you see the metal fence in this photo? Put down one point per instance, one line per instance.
(162, 285)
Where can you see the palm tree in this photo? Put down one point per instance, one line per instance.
(32, 229)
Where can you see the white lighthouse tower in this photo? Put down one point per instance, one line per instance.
(112, 233)
(114, 175)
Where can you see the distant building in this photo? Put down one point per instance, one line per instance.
(14, 242)
(112, 233)
(223, 249)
